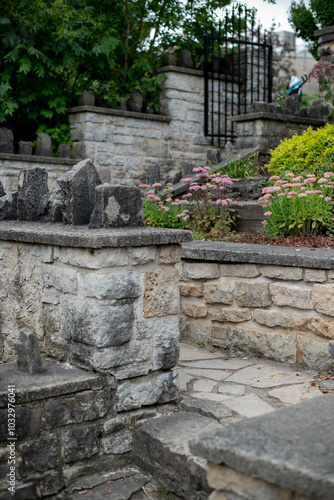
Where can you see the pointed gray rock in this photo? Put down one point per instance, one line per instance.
(28, 353)
(78, 192)
(50, 207)
(2, 191)
(8, 207)
(117, 206)
(33, 185)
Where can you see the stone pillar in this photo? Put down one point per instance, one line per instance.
(326, 44)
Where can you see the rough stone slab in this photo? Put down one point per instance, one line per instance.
(161, 449)
(97, 324)
(323, 299)
(251, 294)
(293, 394)
(161, 293)
(206, 408)
(281, 448)
(220, 364)
(190, 290)
(282, 273)
(79, 236)
(112, 286)
(331, 349)
(50, 206)
(210, 396)
(157, 387)
(56, 380)
(239, 270)
(184, 378)
(6, 140)
(231, 314)
(285, 295)
(272, 375)
(117, 206)
(28, 352)
(191, 353)
(259, 254)
(249, 405)
(202, 271)
(119, 489)
(220, 292)
(78, 192)
(43, 146)
(194, 310)
(32, 186)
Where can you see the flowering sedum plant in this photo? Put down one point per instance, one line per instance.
(212, 214)
(204, 208)
(298, 205)
(163, 212)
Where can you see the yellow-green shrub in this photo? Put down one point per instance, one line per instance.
(311, 152)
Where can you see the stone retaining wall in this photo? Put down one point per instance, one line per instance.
(11, 165)
(125, 145)
(253, 300)
(104, 301)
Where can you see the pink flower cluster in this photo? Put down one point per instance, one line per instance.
(298, 187)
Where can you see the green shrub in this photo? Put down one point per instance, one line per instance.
(312, 152)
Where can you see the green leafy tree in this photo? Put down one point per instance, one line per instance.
(305, 19)
(53, 50)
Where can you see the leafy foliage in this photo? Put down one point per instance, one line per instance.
(311, 152)
(241, 168)
(306, 19)
(299, 206)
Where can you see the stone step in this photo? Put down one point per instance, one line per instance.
(161, 450)
(285, 454)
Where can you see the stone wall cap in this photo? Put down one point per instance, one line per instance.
(215, 251)
(118, 112)
(324, 31)
(198, 72)
(277, 117)
(49, 233)
(292, 447)
(56, 379)
(38, 159)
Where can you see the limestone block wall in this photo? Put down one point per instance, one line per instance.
(124, 145)
(256, 301)
(11, 165)
(104, 305)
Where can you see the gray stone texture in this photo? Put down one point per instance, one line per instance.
(281, 448)
(331, 349)
(8, 207)
(117, 206)
(161, 450)
(43, 146)
(79, 237)
(64, 151)
(135, 103)
(96, 324)
(206, 408)
(6, 141)
(184, 59)
(78, 192)
(258, 254)
(28, 353)
(25, 148)
(50, 206)
(86, 99)
(2, 191)
(112, 286)
(33, 185)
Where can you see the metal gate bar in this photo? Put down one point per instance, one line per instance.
(220, 67)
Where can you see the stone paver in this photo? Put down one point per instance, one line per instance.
(249, 405)
(270, 375)
(231, 383)
(211, 374)
(295, 393)
(231, 389)
(221, 364)
(191, 353)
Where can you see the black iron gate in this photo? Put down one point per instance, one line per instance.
(237, 70)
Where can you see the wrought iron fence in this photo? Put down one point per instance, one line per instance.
(237, 70)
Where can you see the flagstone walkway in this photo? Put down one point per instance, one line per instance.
(221, 386)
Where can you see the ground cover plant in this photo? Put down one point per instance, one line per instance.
(299, 205)
(205, 209)
(309, 153)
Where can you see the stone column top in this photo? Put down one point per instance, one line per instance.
(81, 237)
